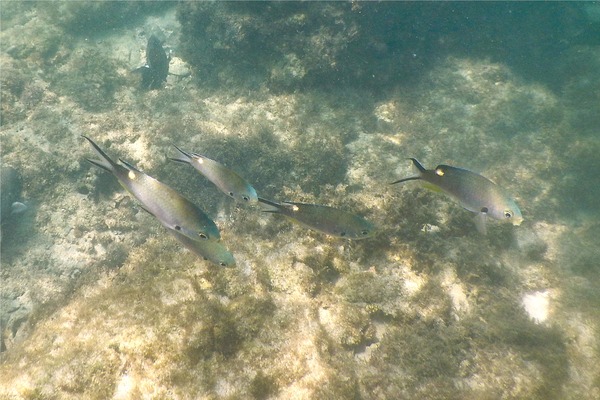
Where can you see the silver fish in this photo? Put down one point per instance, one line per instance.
(210, 250)
(472, 191)
(174, 211)
(329, 220)
(224, 178)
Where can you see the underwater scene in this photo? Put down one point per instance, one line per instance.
(300, 200)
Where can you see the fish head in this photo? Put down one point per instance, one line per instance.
(359, 229)
(247, 195)
(366, 231)
(516, 218)
(225, 259)
(507, 211)
(212, 251)
(203, 233)
(215, 252)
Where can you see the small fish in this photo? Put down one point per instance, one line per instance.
(472, 191)
(174, 211)
(17, 208)
(10, 191)
(225, 179)
(155, 70)
(329, 220)
(210, 250)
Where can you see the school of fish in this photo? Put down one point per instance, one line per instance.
(199, 234)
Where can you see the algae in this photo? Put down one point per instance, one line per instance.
(320, 102)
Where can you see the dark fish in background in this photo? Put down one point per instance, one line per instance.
(155, 71)
(10, 191)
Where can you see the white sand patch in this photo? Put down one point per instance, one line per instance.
(124, 387)
(537, 305)
(413, 285)
(456, 291)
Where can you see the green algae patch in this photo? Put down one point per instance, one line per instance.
(263, 386)
(156, 321)
(83, 18)
(426, 309)
(363, 287)
(91, 78)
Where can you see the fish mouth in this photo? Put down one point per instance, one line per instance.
(517, 221)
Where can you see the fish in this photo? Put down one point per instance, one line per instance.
(155, 70)
(212, 251)
(10, 192)
(173, 210)
(224, 178)
(325, 219)
(472, 191)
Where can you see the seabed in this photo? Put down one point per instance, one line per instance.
(98, 301)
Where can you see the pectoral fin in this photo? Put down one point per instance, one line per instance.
(481, 221)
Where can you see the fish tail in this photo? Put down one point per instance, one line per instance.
(183, 158)
(270, 203)
(141, 69)
(105, 161)
(412, 178)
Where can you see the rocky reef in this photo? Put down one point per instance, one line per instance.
(320, 103)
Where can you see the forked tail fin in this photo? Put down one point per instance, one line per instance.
(275, 206)
(183, 157)
(412, 178)
(104, 160)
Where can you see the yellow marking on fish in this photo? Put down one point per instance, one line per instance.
(132, 175)
(295, 208)
(439, 172)
(199, 160)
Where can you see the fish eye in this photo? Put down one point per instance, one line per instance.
(365, 232)
(177, 228)
(223, 264)
(246, 198)
(231, 194)
(202, 235)
(342, 234)
(508, 214)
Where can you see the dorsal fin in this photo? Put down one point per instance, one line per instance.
(130, 166)
(417, 164)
